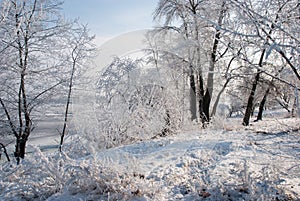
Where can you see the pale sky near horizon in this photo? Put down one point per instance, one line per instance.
(109, 18)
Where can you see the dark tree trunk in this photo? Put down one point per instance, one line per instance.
(20, 149)
(206, 104)
(260, 64)
(250, 103)
(166, 130)
(62, 136)
(213, 59)
(193, 100)
(294, 108)
(283, 105)
(201, 96)
(262, 105)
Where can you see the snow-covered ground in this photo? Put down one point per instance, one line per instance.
(223, 162)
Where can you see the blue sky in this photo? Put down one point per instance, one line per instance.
(108, 18)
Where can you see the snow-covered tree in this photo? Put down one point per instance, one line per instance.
(79, 52)
(250, 33)
(34, 34)
(202, 24)
(269, 28)
(173, 64)
(134, 104)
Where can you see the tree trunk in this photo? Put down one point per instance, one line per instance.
(228, 78)
(23, 106)
(193, 100)
(296, 109)
(213, 59)
(201, 96)
(206, 105)
(283, 105)
(213, 113)
(20, 148)
(250, 103)
(262, 105)
(166, 130)
(260, 64)
(62, 136)
(297, 101)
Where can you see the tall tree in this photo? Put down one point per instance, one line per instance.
(269, 20)
(179, 9)
(282, 16)
(213, 59)
(80, 50)
(33, 32)
(202, 33)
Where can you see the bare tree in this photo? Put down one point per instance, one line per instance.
(270, 22)
(170, 11)
(81, 50)
(284, 39)
(201, 25)
(32, 32)
(230, 73)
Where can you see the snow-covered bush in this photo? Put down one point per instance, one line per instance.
(134, 104)
(217, 123)
(57, 176)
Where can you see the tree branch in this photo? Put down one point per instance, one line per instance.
(45, 91)
(5, 152)
(12, 126)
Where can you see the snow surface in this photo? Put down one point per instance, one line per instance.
(223, 162)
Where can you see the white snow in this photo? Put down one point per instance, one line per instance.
(224, 162)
